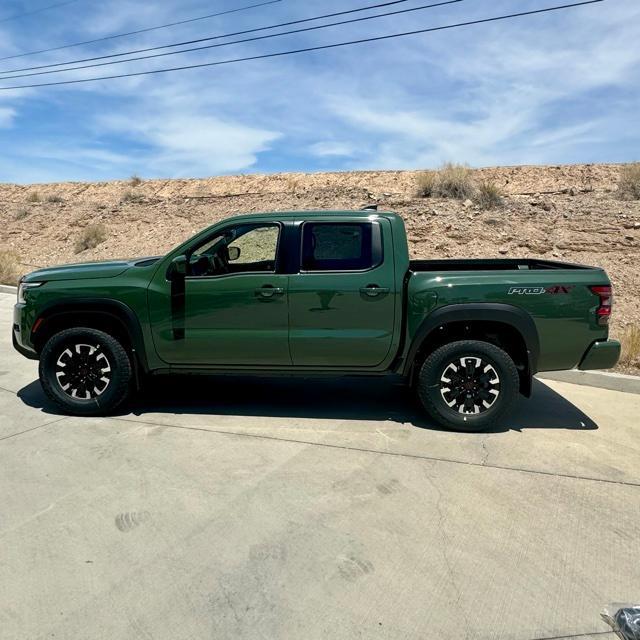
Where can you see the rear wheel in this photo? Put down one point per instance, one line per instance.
(86, 372)
(468, 385)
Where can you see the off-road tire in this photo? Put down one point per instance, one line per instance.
(440, 365)
(112, 355)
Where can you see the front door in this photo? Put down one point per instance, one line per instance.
(342, 304)
(231, 308)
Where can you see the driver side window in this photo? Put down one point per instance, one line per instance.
(247, 248)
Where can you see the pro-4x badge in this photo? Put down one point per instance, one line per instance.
(536, 291)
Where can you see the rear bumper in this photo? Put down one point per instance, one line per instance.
(601, 355)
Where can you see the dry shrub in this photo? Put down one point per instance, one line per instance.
(631, 346)
(427, 184)
(9, 267)
(91, 237)
(488, 196)
(34, 196)
(131, 198)
(55, 199)
(629, 185)
(21, 213)
(135, 180)
(450, 181)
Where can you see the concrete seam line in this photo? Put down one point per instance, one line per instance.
(382, 453)
(576, 635)
(40, 426)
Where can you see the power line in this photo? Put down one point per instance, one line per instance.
(129, 33)
(308, 49)
(226, 44)
(218, 37)
(34, 11)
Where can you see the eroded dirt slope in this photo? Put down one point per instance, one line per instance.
(571, 213)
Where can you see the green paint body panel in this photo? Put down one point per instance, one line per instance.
(601, 355)
(320, 321)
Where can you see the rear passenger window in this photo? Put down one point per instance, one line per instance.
(341, 246)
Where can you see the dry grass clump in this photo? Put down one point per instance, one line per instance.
(427, 184)
(55, 199)
(631, 346)
(91, 237)
(128, 197)
(34, 196)
(135, 180)
(9, 267)
(450, 181)
(629, 185)
(488, 196)
(21, 213)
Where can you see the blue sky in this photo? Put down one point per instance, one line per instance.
(557, 88)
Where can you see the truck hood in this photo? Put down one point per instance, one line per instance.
(86, 270)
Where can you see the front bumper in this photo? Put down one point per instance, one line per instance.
(601, 355)
(20, 344)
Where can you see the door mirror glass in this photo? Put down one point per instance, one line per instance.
(234, 253)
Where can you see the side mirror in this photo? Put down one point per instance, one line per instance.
(178, 267)
(233, 253)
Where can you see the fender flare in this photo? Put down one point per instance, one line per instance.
(507, 314)
(101, 307)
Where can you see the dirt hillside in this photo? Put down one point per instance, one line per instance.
(572, 213)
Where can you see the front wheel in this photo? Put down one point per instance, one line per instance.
(86, 372)
(468, 385)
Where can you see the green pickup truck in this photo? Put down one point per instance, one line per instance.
(314, 293)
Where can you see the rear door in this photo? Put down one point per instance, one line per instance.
(342, 300)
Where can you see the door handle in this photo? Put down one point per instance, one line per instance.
(268, 291)
(373, 290)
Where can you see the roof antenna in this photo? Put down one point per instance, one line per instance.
(370, 207)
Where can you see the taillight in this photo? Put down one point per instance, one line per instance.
(603, 312)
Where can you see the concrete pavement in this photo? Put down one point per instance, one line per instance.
(247, 508)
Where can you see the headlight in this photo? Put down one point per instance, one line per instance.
(23, 286)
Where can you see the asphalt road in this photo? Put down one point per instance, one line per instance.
(312, 509)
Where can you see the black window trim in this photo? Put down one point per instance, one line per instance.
(377, 246)
(278, 261)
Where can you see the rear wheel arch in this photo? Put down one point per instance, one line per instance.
(504, 326)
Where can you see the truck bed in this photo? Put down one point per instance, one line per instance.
(491, 264)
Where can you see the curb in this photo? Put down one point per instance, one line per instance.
(6, 288)
(599, 379)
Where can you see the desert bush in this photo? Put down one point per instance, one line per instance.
(135, 180)
(34, 196)
(454, 181)
(9, 267)
(427, 184)
(55, 198)
(131, 198)
(629, 185)
(450, 181)
(21, 213)
(90, 237)
(631, 346)
(488, 195)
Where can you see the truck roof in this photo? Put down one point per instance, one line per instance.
(317, 213)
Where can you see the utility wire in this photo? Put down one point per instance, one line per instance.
(218, 37)
(129, 33)
(226, 44)
(34, 11)
(308, 49)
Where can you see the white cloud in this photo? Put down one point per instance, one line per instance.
(328, 148)
(7, 115)
(182, 144)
